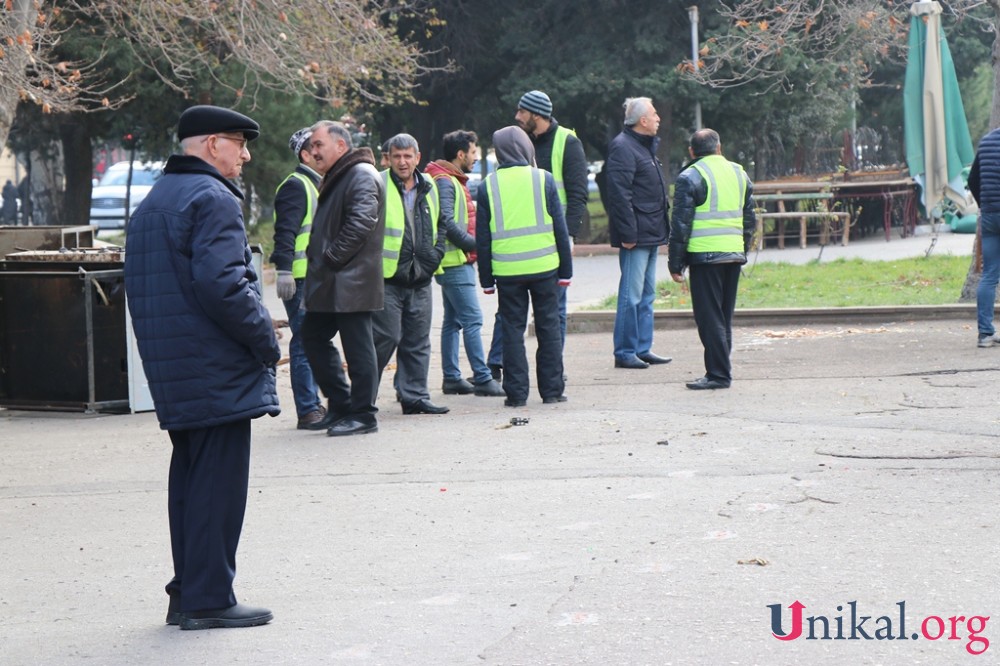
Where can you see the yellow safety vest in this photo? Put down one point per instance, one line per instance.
(395, 221)
(454, 255)
(558, 151)
(718, 222)
(305, 227)
(523, 242)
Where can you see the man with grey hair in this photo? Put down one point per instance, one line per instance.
(415, 234)
(344, 279)
(637, 201)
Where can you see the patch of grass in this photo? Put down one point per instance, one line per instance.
(840, 283)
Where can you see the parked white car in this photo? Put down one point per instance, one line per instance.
(107, 199)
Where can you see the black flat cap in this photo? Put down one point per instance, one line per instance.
(204, 119)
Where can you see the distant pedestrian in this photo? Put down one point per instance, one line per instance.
(24, 194)
(209, 353)
(524, 253)
(984, 183)
(637, 224)
(710, 234)
(9, 211)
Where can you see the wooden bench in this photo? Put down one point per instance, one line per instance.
(803, 217)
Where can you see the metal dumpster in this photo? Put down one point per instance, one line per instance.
(62, 331)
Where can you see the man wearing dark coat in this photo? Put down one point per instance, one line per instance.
(9, 203)
(344, 279)
(209, 351)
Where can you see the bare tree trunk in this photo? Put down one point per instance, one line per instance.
(76, 146)
(15, 59)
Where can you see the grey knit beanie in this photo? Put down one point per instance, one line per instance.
(536, 102)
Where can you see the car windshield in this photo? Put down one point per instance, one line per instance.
(139, 177)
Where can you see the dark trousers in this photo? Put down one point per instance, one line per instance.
(713, 297)
(356, 399)
(206, 500)
(513, 302)
(403, 326)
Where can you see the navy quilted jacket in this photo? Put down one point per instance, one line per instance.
(204, 336)
(984, 178)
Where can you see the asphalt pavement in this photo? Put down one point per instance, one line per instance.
(851, 469)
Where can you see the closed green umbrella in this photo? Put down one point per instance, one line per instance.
(938, 145)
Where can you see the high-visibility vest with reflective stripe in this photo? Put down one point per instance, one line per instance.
(524, 242)
(395, 221)
(558, 151)
(454, 255)
(718, 222)
(305, 227)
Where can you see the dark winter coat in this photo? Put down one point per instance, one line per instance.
(636, 192)
(690, 191)
(344, 272)
(574, 173)
(205, 338)
(984, 178)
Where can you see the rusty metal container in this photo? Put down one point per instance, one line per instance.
(62, 331)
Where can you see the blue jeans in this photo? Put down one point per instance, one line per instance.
(303, 385)
(633, 332)
(986, 292)
(461, 312)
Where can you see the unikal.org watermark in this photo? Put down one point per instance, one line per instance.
(850, 625)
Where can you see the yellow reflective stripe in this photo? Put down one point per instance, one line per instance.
(558, 152)
(454, 255)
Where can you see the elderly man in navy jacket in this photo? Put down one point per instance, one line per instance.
(209, 351)
(637, 225)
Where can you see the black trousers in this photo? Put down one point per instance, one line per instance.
(356, 399)
(713, 298)
(206, 500)
(513, 304)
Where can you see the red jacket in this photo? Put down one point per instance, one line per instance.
(441, 170)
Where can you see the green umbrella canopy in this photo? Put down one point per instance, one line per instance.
(938, 145)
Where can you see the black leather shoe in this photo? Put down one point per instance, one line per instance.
(514, 403)
(631, 363)
(704, 383)
(423, 407)
(234, 616)
(496, 371)
(554, 399)
(351, 426)
(331, 417)
(456, 387)
(654, 359)
(490, 389)
(174, 610)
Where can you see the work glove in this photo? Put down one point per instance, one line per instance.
(286, 285)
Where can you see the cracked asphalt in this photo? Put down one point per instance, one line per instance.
(637, 523)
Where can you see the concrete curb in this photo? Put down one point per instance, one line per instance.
(603, 321)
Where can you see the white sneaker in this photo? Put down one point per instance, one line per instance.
(988, 341)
